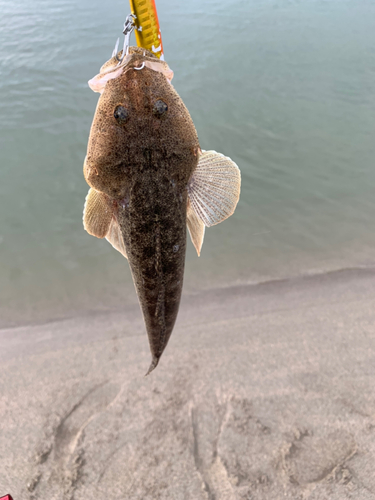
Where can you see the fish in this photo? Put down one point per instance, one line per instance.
(150, 182)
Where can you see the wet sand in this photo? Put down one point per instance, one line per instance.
(264, 392)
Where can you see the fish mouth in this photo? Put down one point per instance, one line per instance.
(99, 81)
(112, 69)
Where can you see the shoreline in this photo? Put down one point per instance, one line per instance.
(364, 269)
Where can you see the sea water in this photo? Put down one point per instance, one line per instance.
(285, 88)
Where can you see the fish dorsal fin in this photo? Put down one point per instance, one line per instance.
(97, 213)
(196, 228)
(115, 238)
(214, 188)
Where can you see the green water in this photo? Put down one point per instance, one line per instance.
(285, 88)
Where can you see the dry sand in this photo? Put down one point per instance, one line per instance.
(264, 392)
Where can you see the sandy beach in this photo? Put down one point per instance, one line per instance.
(264, 392)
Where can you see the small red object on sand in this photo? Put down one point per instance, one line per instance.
(7, 497)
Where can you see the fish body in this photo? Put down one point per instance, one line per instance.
(142, 154)
(155, 242)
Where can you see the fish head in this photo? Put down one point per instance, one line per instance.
(140, 123)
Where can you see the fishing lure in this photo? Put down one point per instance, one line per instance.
(147, 29)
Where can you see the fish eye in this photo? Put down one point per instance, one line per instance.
(160, 108)
(121, 114)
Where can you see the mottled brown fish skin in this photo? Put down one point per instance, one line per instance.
(144, 166)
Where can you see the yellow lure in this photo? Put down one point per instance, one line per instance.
(147, 29)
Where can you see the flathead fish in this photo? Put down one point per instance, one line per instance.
(149, 180)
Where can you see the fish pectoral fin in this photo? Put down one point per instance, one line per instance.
(97, 213)
(214, 188)
(114, 236)
(99, 220)
(196, 228)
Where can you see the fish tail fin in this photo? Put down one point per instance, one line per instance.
(154, 364)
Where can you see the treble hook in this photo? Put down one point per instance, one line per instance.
(129, 27)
